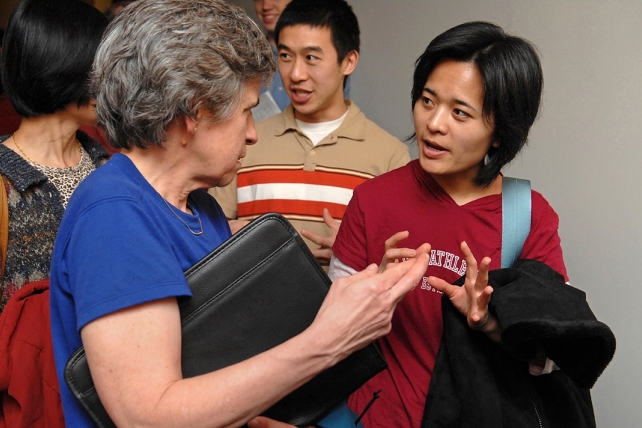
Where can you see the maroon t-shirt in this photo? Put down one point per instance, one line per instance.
(409, 199)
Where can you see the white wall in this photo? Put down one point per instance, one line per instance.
(585, 151)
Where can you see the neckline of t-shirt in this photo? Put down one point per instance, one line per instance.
(427, 181)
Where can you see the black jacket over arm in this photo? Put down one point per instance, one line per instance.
(478, 383)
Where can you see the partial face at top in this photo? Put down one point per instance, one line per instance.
(311, 72)
(452, 135)
(269, 11)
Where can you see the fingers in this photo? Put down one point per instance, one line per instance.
(477, 277)
(470, 260)
(324, 241)
(330, 221)
(424, 248)
(481, 282)
(392, 254)
(479, 294)
(317, 239)
(323, 255)
(443, 286)
(403, 277)
(481, 311)
(395, 239)
(484, 298)
(367, 272)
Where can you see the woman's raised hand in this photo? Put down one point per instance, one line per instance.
(472, 298)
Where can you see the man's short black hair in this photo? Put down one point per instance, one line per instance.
(337, 15)
(512, 83)
(47, 54)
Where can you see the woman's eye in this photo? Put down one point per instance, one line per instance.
(461, 113)
(427, 101)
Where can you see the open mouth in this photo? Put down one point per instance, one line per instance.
(300, 95)
(434, 146)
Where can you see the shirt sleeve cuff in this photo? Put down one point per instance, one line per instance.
(338, 269)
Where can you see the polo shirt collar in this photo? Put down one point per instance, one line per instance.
(353, 127)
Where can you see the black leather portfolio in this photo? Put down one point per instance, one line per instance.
(255, 291)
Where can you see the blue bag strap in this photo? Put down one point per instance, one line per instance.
(340, 417)
(516, 218)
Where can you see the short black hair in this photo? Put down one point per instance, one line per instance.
(47, 54)
(512, 83)
(337, 15)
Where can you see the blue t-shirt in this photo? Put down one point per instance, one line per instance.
(120, 245)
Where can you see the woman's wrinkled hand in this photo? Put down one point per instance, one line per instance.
(358, 308)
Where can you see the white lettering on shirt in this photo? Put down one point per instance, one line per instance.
(446, 260)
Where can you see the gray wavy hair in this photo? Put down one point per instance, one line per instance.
(163, 59)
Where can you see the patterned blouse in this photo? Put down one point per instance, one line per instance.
(37, 201)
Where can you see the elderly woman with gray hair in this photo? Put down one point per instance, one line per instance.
(175, 81)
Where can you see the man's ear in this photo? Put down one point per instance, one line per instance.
(349, 63)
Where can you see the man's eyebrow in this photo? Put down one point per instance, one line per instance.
(312, 48)
(456, 100)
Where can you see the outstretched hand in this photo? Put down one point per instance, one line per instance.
(323, 254)
(392, 254)
(358, 308)
(473, 297)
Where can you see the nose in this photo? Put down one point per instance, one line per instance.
(251, 136)
(437, 121)
(298, 72)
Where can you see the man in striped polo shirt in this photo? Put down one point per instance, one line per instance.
(311, 156)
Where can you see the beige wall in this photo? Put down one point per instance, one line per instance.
(585, 153)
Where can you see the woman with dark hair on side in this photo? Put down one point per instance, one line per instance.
(47, 55)
(475, 95)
